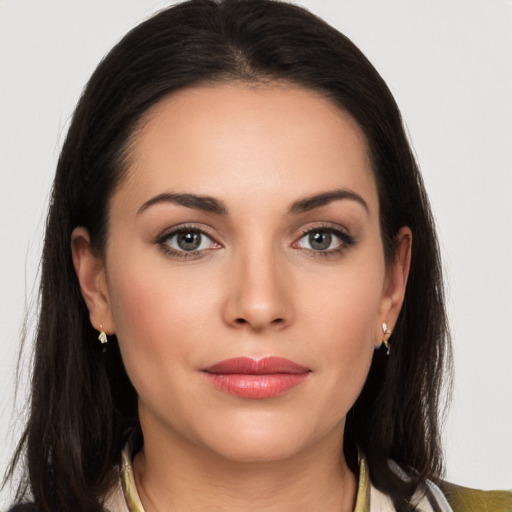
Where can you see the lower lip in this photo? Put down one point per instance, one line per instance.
(256, 386)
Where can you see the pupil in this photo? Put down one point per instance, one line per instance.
(189, 241)
(320, 240)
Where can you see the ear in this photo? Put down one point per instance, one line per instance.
(395, 283)
(90, 271)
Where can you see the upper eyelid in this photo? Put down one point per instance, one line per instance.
(184, 227)
(325, 226)
(338, 233)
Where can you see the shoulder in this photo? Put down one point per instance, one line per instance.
(464, 499)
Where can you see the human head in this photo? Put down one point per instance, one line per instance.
(206, 42)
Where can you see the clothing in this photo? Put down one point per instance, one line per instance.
(463, 499)
(448, 498)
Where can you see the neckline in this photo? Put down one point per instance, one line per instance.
(134, 504)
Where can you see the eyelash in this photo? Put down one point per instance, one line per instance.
(168, 251)
(346, 239)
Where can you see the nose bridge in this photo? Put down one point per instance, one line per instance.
(258, 296)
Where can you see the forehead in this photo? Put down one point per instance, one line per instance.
(239, 140)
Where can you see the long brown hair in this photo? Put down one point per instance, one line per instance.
(82, 402)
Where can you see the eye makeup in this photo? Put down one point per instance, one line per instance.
(191, 241)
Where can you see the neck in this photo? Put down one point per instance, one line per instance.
(181, 476)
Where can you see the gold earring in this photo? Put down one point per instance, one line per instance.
(103, 336)
(386, 332)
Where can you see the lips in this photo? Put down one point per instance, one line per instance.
(257, 379)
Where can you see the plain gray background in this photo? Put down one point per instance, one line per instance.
(449, 64)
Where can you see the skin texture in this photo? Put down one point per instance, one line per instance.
(256, 287)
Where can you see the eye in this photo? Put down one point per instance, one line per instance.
(324, 240)
(186, 240)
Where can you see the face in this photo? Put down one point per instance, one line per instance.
(244, 273)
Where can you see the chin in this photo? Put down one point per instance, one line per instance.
(266, 440)
(260, 449)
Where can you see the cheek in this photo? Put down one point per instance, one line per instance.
(348, 333)
(345, 303)
(156, 318)
(150, 298)
(340, 317)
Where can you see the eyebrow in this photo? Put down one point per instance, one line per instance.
(205, 203)
(212, 205)
(323, 199)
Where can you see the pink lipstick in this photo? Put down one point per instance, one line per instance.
(250, 378)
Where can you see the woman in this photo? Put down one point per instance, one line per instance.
(252, 252)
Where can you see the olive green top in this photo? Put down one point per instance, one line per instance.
(463, 499)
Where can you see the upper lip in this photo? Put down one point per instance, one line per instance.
(249, 366)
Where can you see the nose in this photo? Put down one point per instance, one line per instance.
(258, 294)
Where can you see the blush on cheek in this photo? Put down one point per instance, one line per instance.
(139, 332)
(135, 311)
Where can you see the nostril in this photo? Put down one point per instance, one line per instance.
(243, 321)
